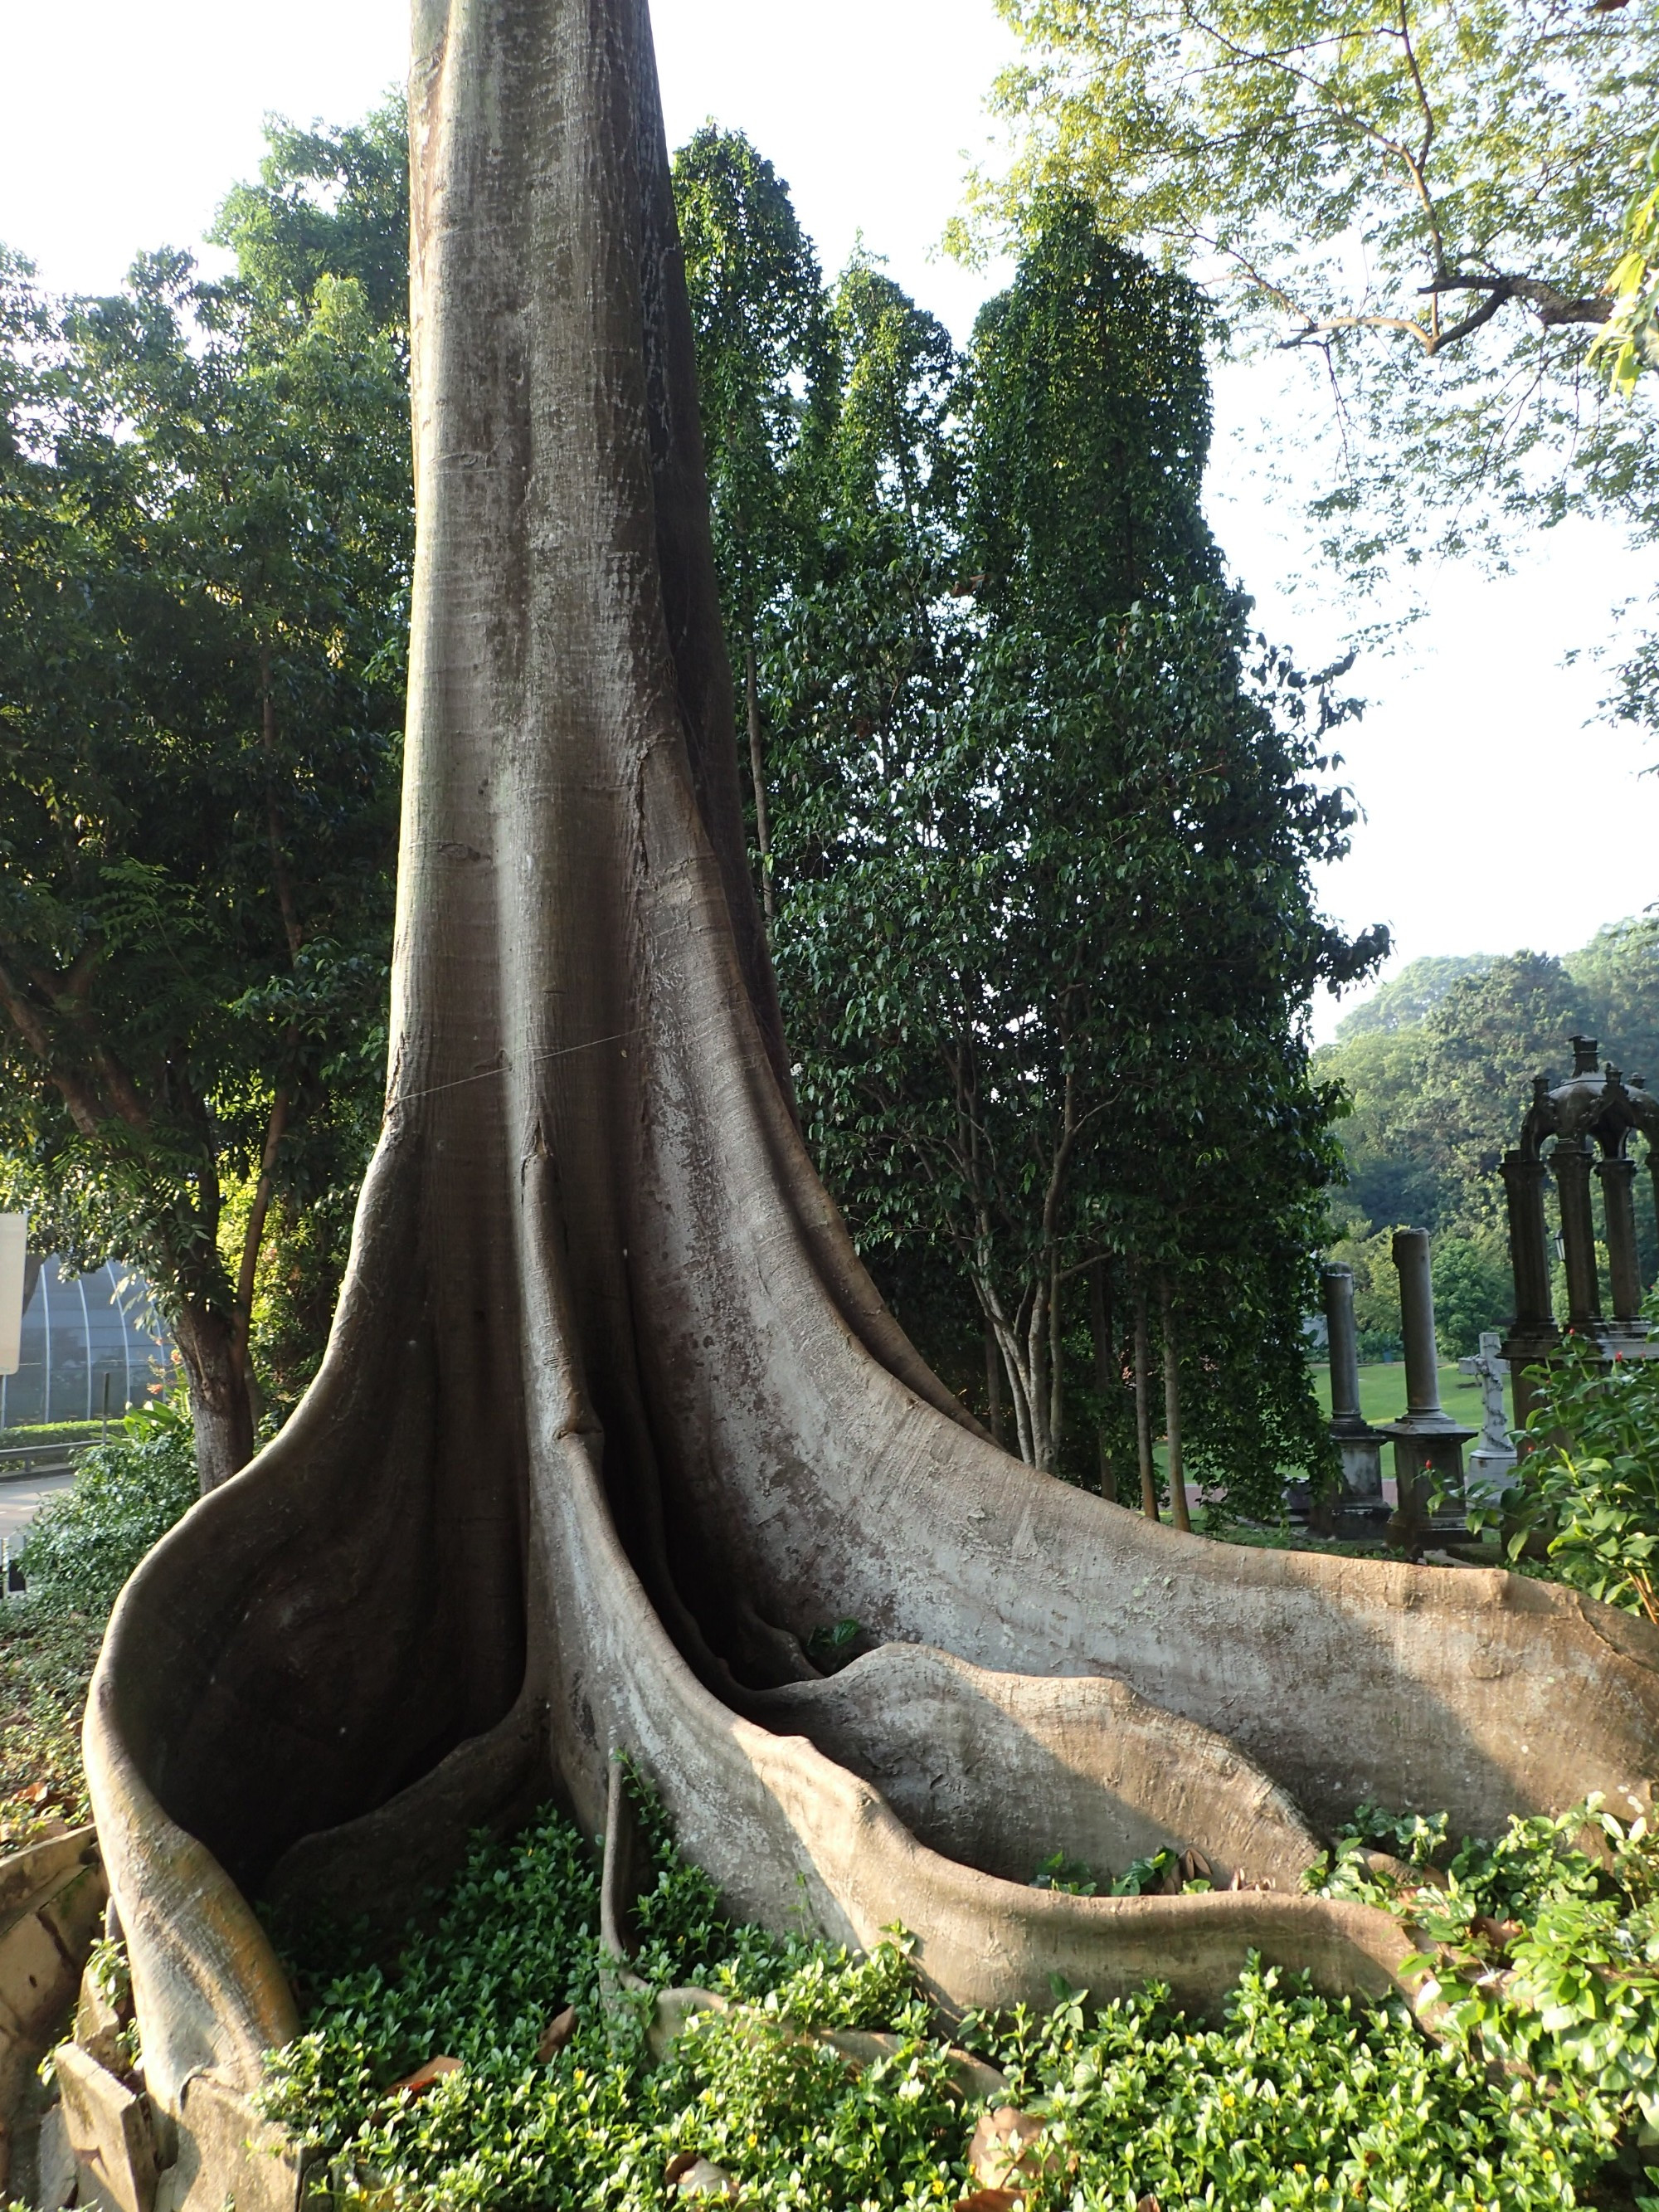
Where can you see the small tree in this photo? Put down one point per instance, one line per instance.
(206, 521)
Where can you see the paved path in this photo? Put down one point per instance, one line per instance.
(21, 1498)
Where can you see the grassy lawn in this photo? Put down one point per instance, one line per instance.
(1382, 1394)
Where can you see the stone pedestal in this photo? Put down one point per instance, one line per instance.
(1428, 1444)
(1492, 1464)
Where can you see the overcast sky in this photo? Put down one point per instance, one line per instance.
(1496, 818)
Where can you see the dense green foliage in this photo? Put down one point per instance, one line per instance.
(1627, 347)
(1438, 1067)
(84, 1541)
(204, 543)
(1287, 2100)
(1423, 199)
(1033, 823)
(1589, 1484)
(1023, 756)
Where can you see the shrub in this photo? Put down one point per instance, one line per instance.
(1589, 1482)
(1473, 1288)
(41, 1433)
(84, 1542)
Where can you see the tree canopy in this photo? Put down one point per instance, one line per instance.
(1424, 199)
(204, 545)
(1437, 1067)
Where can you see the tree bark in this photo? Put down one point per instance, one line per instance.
(612, 1420)
(220, 1409)
(1184, 1518)
(993, 1381)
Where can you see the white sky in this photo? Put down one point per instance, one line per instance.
(1495, 818)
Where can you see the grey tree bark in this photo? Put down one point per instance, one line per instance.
(612, 1420)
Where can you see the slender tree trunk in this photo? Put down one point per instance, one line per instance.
(1143, 1407)
(1106, 1379)
(757, 777)
(254, 1239)
(1172, 1404)
(994, 1379)
(221, 1410)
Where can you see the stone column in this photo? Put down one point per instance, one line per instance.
(1358, 1445)
(1529, 1250)
(1344, 1345)
(1625, 1277)
(1571, 1160)
(1411, 1260)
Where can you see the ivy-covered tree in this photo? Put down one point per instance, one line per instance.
(765, 376)
(204, 513)
(1044, 920)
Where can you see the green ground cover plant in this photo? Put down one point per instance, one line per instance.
(1538, 2088)
(84, 1543)
(46, 1658)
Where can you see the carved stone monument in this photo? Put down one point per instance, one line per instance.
(1589, 1122)
(1492, 1462)
(1359, 1508)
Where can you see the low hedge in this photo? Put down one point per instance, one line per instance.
(41, 1433)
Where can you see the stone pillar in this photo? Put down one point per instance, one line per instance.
(1344, 1345)
(1360, 1446)
(1411, 1260)
(1428, 1444)
(1571, 1160)
(1529, 1250)
(1624, 1277)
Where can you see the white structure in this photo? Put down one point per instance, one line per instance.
(88, 1345)
(1492, 1464)
(13, 1255)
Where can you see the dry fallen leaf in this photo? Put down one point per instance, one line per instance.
(560, 2029)
(992, 2200)
(1008, 2149)
(424, 2077)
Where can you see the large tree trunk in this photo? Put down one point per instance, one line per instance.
(221, 1410)
(612, 1420)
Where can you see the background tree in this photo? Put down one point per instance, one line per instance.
(1043, 916)
(1424, 200)
(764, 374)
(1438, 1070)
(205, 510)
